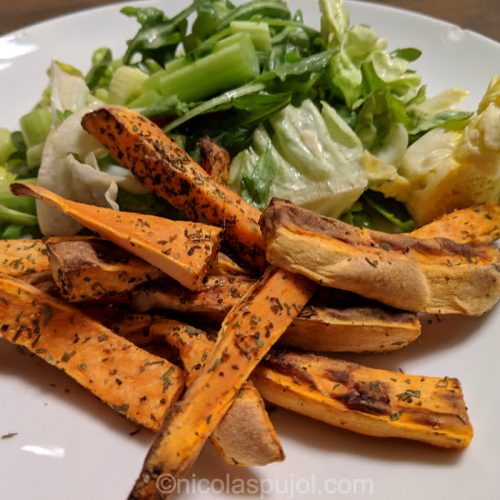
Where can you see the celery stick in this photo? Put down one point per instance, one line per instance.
(176, 64)
(19, 203)
(102, 94)
(237, 38)
(12, 232)
(259, 33)
(6, 146)
(145, 100)
(226, 68)
(35, 126)
(153, 82)
(8, 215)
(126, 84)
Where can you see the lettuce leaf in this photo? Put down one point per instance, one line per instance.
(300, 159)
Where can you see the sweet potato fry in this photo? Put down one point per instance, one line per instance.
(214, 160)
(121, 321)
(247, 333)
(370, 328)
(43, 281)
(433, 276)
(218, 295)
(130, 380)
(92, 268)
(353, 326)
(182, 250)
(245, 435)
(469, 225)
(366, 400)
(162, 166)
(21, 257)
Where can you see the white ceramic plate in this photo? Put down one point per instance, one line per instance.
(71, 446)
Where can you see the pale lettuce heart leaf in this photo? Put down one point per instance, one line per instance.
(443, 101)
(394, 145)
(302, 162)
(334, 20)
(492, 94)
(68, 92)
(69, 168)
(450, 169)
(345, 70)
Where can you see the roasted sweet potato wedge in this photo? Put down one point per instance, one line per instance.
(433, 276)
(469, 225)
(162, 166)
(218, 295)
(245, 435)
(121, 321)
(247, 333)
(20, 257)
(92, 268)
(132, 381)
(182, 250)
(44, 282)
(352, 326)
(367, 400)
(369, 328)
(215, 160)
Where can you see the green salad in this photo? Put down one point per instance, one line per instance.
(325, 116)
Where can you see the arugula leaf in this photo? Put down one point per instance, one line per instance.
(166, 107)
(159, 36)
(312, 64)
(256, 186)
(256, 9)
(101, 59)
(391, 210)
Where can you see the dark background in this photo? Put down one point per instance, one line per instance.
(482, 16)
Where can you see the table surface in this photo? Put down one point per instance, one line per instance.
(482, 16)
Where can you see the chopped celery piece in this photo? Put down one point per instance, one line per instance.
(19, 203)
(225, 69)
(8, 215)
(152, 84)
(237, 38)
(35, 126)
(8, 200)
(126, 84)
(102, 94)
(259, 33)
(152, 66)
(12, 232)
(176, 64)
(145, 100)
(34, 155)
(6, 146)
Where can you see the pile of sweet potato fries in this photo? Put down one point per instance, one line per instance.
(110, 310)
